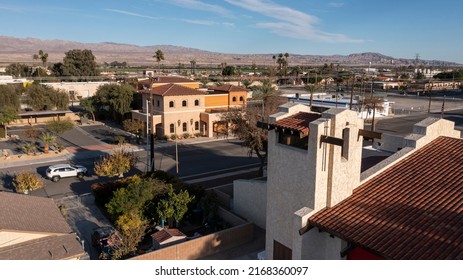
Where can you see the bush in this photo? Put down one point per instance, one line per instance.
(164, 137)
(26, 182)
(120, 139)
(198, 134)
(173, 136)
(186, 135)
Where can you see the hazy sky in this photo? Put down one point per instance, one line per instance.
(399, 28)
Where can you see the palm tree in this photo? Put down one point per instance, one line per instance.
(311, 88)
(296, 70)
(47, 139)
(286, 55)
(159, 55)
(29, 148)
(43, 56)
(193, 65)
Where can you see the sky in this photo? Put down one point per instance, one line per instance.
(398, 28)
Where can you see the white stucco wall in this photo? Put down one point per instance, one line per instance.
(250, 200)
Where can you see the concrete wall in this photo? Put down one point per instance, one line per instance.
(250, 200)
(203, 246)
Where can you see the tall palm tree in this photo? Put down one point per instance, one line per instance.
(47, 139)
(311, 88)
(159, 55)
(193, 66)
(43, 56)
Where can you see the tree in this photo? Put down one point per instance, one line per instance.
(180, 203)
(229, 70)
(7, 115)
(89, 105)
(130, 230)
(134, 126)
(371, 104)
(59, 126)
(32, 132)
(246, 83)
(118, 98)
(115, 164)
(40, 97)
(18, 70)
(159, 55)
(43, 56)
(311, 88)
(26, 182)
(47, 139)
(79, 63)
(193, 66)
(9, 96)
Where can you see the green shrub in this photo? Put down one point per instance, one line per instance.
(173, 136)
(186, 135)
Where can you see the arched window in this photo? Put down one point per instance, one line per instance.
(241, 98)
(196, 125)
(172, 128)
(171, 104)
(197, 102)
(234, 99)
(184, 103)
(184, 127)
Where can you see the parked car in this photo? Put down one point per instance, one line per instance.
(100, 238)
(56, 172)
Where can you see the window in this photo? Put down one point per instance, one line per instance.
(293, 140)
(197, 102)
(241, 98)
(158, 103)
(172, 128)
(171, 104)
(234, 99)
(345, 145)
(184, 127)
(196, 125)
(184, 103)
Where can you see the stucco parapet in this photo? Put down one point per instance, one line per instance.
(386, 163)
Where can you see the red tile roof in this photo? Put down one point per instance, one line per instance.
(228, 88)
(166, 234)
(167, 80)
(173, 90)
(413, 210)
(298, 122)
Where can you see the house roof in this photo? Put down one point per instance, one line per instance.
(173, 90)
(25, 213)
(412, 210)
(298, 122)
(166, 234)
(228, 88)
(168, 80)
(47, 248)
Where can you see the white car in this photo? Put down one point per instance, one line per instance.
(56, 172)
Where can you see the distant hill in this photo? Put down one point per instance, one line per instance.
(14, 49)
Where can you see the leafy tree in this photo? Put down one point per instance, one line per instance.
(115, 164)
(89, 105)
(40, 97)
(10, 98)
(174, 206)
(58, 69)
(246, 83)
(47, 139)
(117, 97)
(59, 126)
(26, 182)
(371, 104)
(264, 91)
(165, 210)
(43, 56)
(18, 70)
(79, 63)
(193, 66)
(134, 126)
(159, 55)
(229, 70)
(130, 230)
(7, 115)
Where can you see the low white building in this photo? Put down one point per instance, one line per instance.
(78, 89)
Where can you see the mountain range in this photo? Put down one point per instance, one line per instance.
(14, 49)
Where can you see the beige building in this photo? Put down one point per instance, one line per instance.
(77, 89)
(32, 228)
(319, 205)
(178, 106)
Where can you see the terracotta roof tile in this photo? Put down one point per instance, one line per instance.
(413, 210)
(297, 122)
(228, 88)
(165, 234)
(173, 90)
(167, 80)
